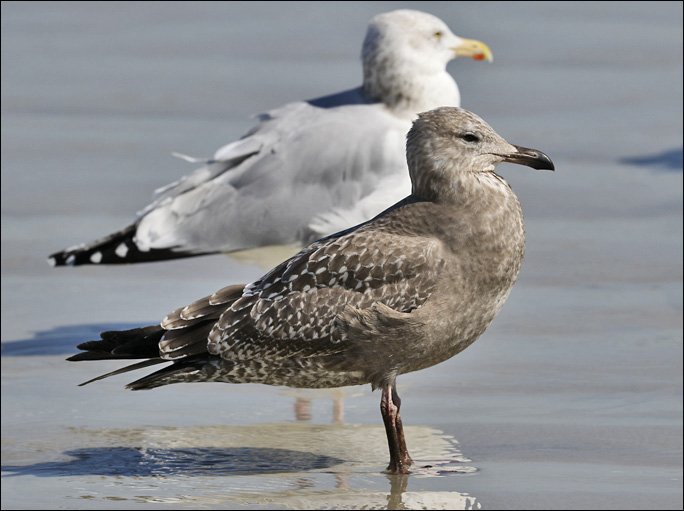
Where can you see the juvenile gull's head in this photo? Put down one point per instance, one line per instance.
(448, 145)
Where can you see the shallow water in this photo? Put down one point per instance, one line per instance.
(571, 399)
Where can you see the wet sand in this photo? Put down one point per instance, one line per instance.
(571, 400)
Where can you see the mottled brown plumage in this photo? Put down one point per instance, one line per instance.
(409, 289)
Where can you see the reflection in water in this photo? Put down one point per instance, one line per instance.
(304, 402)
(289, 465)
(189, 462)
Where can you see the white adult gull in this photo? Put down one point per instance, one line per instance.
(308, 168)
(404, 291)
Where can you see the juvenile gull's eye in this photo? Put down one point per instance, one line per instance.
(470, 137)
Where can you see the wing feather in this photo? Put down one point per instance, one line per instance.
(291, 311)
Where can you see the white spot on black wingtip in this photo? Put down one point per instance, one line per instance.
(96, 257)
(52, 261)
(121, 250)
(71, 260)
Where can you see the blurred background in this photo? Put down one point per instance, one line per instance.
(571, 399)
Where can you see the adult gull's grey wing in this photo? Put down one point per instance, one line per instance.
(295, 167)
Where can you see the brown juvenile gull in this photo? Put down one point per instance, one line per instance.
(339, 158)
(404, 291)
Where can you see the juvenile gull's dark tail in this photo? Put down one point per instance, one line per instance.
(135, 344)
(125, 344)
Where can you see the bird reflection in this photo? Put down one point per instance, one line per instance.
(302, 407)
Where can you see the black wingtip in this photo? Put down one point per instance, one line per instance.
(117, 248)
